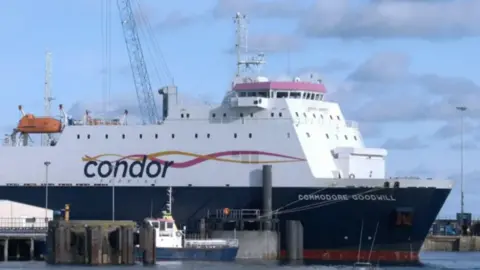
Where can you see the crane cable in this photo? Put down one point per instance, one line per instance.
(106, 37)
(162, 73)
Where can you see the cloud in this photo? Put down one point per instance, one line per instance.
(453, 129)
(393, 19)
(468, 145)
(380, 91)
(386, 67)
(260, 8)
(330, 66)
(409, 143)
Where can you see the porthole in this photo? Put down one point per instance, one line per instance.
(123, 136)
(279, 114)
(196, 135)
(188, 115)
(355, 138)
(106, 136)
(213, 115)
(235, 135)
(173, 136)
(88, 136)
(140, 136)
(308, 135)
(224, 115)
(78, 136)
(250, 135)
(181, 115)
(156, 136)
(208, 135)
(326, 135)
(272, 114)
(346, 137)
(241, 114)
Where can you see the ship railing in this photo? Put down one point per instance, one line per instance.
(211, 243)
(25, 225)
(237, 214)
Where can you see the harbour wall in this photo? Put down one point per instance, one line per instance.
(253, 245)
(451, 243)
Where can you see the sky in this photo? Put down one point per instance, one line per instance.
(398, 67)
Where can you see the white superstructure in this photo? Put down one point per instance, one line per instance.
(289, 124)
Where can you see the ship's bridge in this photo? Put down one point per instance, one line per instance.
(258, 93)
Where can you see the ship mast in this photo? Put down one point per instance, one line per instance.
(245, 63)
(170, 201)
(47, 93)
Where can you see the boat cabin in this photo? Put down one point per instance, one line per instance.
(260, 91)
(166, 233)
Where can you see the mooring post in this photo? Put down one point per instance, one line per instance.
(5, 250)
(32, 249)
(267, 196)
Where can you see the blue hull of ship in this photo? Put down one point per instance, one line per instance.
(331, 228)
(194, 254)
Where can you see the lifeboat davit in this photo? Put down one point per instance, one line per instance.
(31, 124)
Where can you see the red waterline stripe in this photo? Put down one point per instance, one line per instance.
(352, 255)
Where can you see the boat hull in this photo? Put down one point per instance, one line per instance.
(227, 254)
(395, 220)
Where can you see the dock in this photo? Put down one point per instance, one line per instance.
(451, 243)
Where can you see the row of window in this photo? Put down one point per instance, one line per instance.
(336, 135)
(187, 115)
(235, 135)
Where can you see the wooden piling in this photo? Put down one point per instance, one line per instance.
(90, 242)
(147, 244)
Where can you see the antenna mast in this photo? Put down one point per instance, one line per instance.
(170, 200)
(241, 47)
(47, 92)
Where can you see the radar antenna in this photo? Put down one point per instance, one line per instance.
(47, 93)
(241, 47)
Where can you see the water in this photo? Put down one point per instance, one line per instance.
(432, 260)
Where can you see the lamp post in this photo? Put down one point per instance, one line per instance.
(461, 109)
(46, 163)
(113, 199)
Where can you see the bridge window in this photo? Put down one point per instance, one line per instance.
(280, 114)
(224, 115)
(235, 135)
(78, 136)
(213, 115)
(295, 95)
(208, 135)
(251, 114)
(241, 114)
(140, 136)
(242, 94)
(250, 135)
(123, 136)
(173, 136)
(181, 115)
(156, 136)
(251, 94)
(196, 135)
(282, 94)
(169, 225)
(263, 94)
(106, 136)
(188, 115)
(272, 114)
(88, 136)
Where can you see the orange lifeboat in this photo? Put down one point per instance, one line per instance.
(31, 124)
